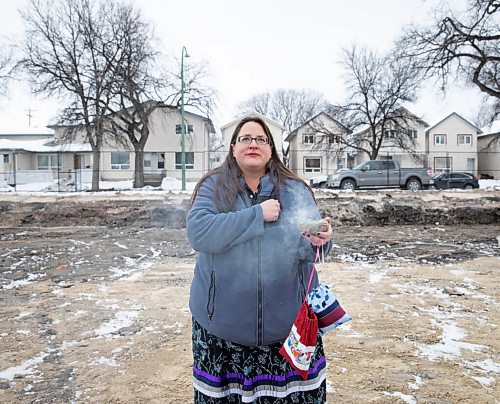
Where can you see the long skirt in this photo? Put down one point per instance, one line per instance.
(225, 372)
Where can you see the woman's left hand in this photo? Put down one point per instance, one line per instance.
(321, 238)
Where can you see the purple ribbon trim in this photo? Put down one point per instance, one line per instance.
(249, 382)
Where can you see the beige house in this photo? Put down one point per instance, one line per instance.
(451, 145)
(162, 151)
(228, 129)
(315, 148)
(407, 130)
(40, 156)
(488, 144)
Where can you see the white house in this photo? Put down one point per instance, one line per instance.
(30, 155)
(489, 151)
(228, 129)
(315, 148)
(451, 145)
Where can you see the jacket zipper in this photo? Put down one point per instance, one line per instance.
(260, 331)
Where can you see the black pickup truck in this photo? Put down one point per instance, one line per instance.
(381, 174)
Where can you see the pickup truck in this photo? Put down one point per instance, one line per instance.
(381, 174)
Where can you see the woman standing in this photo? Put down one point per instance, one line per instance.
(251, 275)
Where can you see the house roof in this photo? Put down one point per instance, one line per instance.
(365, 127)
(449, 116)
(42, 146)
(43, 131)
(493, 129)
(158, 104)
(252, 113)
(294, 132)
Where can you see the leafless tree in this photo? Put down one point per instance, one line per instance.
(6, 66)
(62, 54)
(467, 45)
(290, 108)
(199, 95)
(378, 86)
(260, 103)
(136, 82)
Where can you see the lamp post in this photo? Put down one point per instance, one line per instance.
(183, 125)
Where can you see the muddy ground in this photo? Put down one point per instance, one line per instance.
(94, 291)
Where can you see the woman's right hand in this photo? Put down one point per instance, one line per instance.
(270, 210)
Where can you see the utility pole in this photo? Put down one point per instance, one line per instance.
(29, 110)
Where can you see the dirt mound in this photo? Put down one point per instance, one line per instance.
(368, 208)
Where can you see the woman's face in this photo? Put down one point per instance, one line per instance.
(252, 157)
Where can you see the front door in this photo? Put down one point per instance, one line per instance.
(373, 175)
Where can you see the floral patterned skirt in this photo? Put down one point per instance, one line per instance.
(225, 372)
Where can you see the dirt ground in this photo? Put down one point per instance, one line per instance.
(94, 292)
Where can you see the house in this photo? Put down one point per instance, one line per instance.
(315, 147)
(30, 155)
(228, 129)
(162, 151)
(47, 155)
(451, 145)
(488, 144)
(403, 140)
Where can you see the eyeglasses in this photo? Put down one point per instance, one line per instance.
(246, 139)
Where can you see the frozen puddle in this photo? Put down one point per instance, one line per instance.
(451, 344)
(123, 318)
(25, 368)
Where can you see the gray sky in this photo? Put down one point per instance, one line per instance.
(258, 46)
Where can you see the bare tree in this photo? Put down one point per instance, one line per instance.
(135, 83)
(378, 87)
(140, 81)
(468, 45)
(199, 95)
(62, 54)
(290, 108)
(6, 66)
(260, 103)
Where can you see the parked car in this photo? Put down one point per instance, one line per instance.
(381, 174)
(320, 181)
(455, 180)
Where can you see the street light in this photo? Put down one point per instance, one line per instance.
(183, 126)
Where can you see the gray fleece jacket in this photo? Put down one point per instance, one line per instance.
(250, 276)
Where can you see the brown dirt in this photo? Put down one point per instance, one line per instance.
(94, 293)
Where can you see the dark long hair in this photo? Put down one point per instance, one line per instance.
(228, 184)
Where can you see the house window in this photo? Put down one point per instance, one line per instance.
(464, 139)
(178, 129)
(333, 139)
(161, 160)
(48, 162)
(308, 138)
(5, 158)
(189, 160)
(340, 163)
(120, 161)
(412, 133)
(146, 159)
(390, 134)
(442, 164)
(439, 139)
(312, 165)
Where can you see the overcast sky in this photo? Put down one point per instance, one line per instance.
(262, 45)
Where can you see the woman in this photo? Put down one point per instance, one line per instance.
(251, 275)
